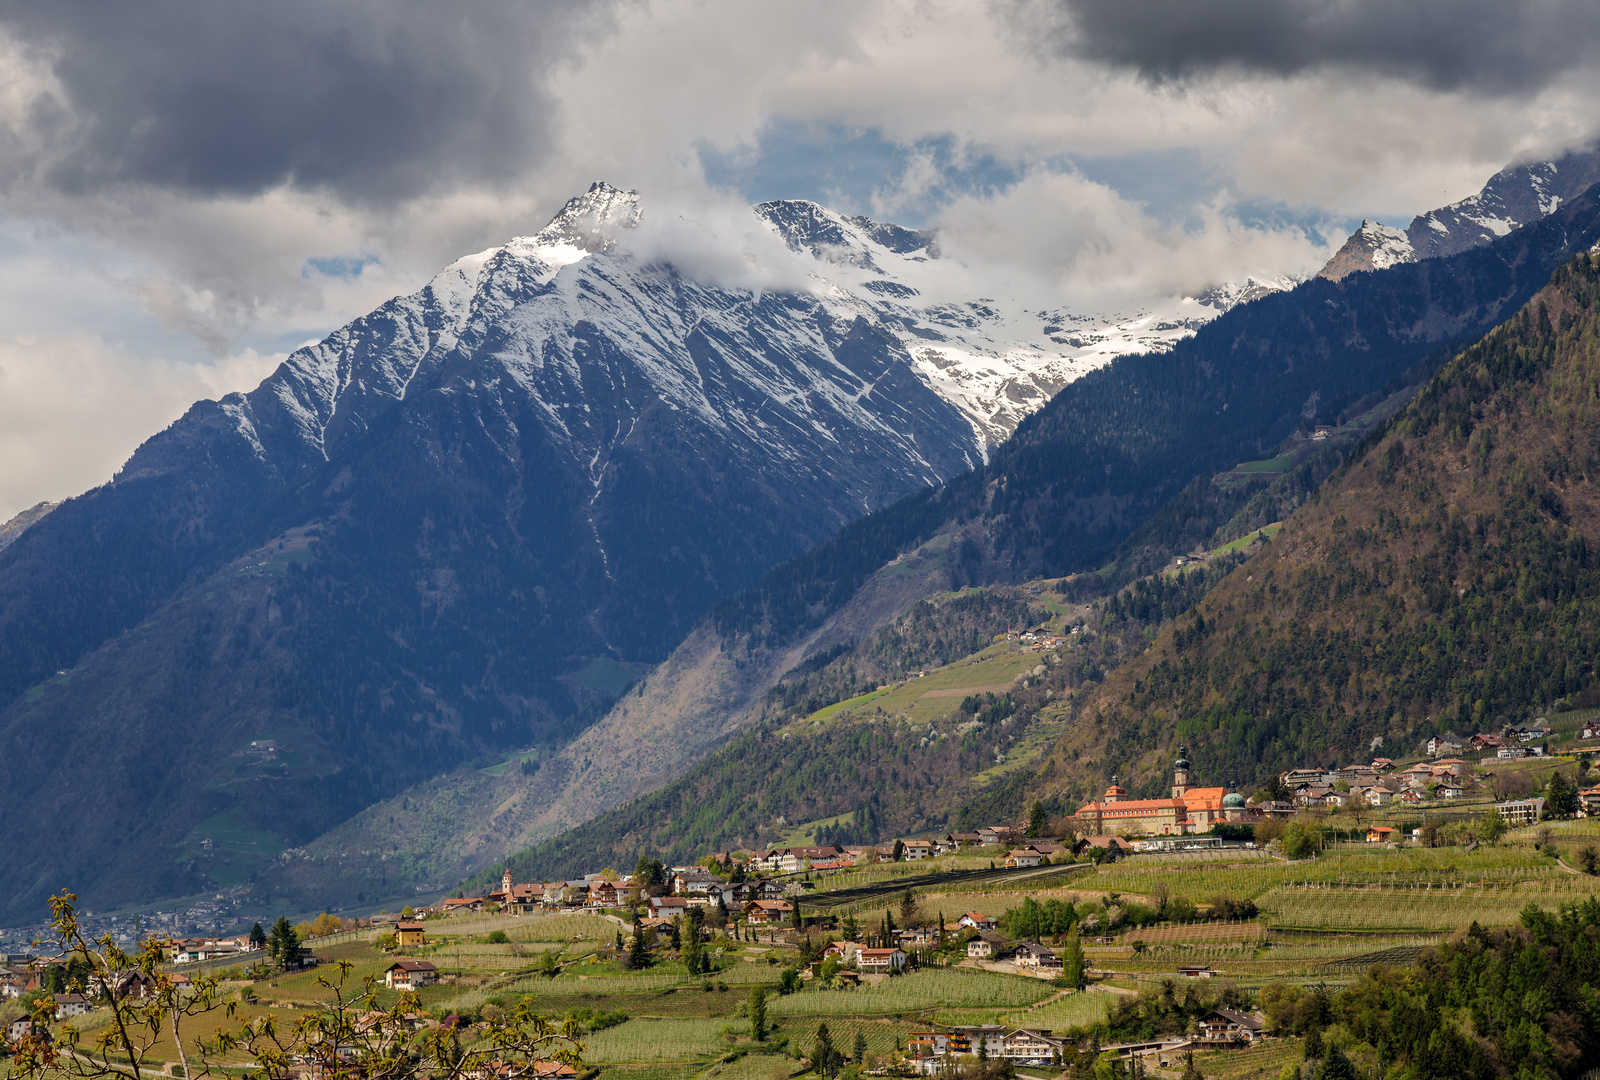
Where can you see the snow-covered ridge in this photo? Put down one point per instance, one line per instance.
(1513, 197)
(993, 359)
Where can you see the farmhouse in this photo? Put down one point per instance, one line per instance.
(410, 934)
(410, 975)
(767, 912)
(70, 1005)
(1228, 1025)
(1033, 956)
(880, 960)
(986, 946)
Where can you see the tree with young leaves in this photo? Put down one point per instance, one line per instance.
(348, 1036)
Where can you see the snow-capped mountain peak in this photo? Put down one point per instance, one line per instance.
(590, 222)
(1513, 197)
(1374, 246)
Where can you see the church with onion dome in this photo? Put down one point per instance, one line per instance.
(1189, 810)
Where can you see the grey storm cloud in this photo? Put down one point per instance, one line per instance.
(1491, 46)
(372, 100)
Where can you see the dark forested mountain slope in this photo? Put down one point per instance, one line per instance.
(1448, 577)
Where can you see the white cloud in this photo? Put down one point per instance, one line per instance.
(173, 282)
(73, 408)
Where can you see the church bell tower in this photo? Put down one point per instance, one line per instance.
(1180, 773)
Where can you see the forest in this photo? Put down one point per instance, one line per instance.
(1446, 578)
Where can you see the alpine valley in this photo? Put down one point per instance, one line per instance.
(458, 527)
(570, 526)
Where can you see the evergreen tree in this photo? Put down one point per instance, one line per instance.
(1038, 820)
(758, 1013)
(859, 1050)
(1562, 794)
(822, 1050)
(258, 936)
(850, 927)
(638, 953)
(283, 944)
(1335, 1066)
(1072, 962)
(1191, 1071)
(690, 950)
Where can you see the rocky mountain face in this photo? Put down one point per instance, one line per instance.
(460, 525)
(1513, 197)
(1445, 579)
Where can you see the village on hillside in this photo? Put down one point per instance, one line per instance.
(1149, 932)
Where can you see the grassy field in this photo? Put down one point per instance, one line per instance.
(1419, 909)
(1267, 531)
(919, 991)
(650, 1040)
(939, 693)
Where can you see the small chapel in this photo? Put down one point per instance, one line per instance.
(1189, 810)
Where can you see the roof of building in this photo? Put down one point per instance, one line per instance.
(1243, 1019)
(412, 965)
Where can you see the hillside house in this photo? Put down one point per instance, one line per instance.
(1032, 956)
(881, 961)
(1380, 834)
(409, 935)
(21, 1028)
(1591, 730)
(665, 907)
(916, 850)
(405, 975)
(842, 951)
(1031, 1046)
(69, 1005)
(986, 946)
(765, 889)
(767, 912)
(977, 921)
(693, 883)
(462, 903)
(1022, 857)
(1228, 1025)
(1589, 802)
(1383, 764)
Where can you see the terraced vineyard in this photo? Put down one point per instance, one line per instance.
(1355, 965)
